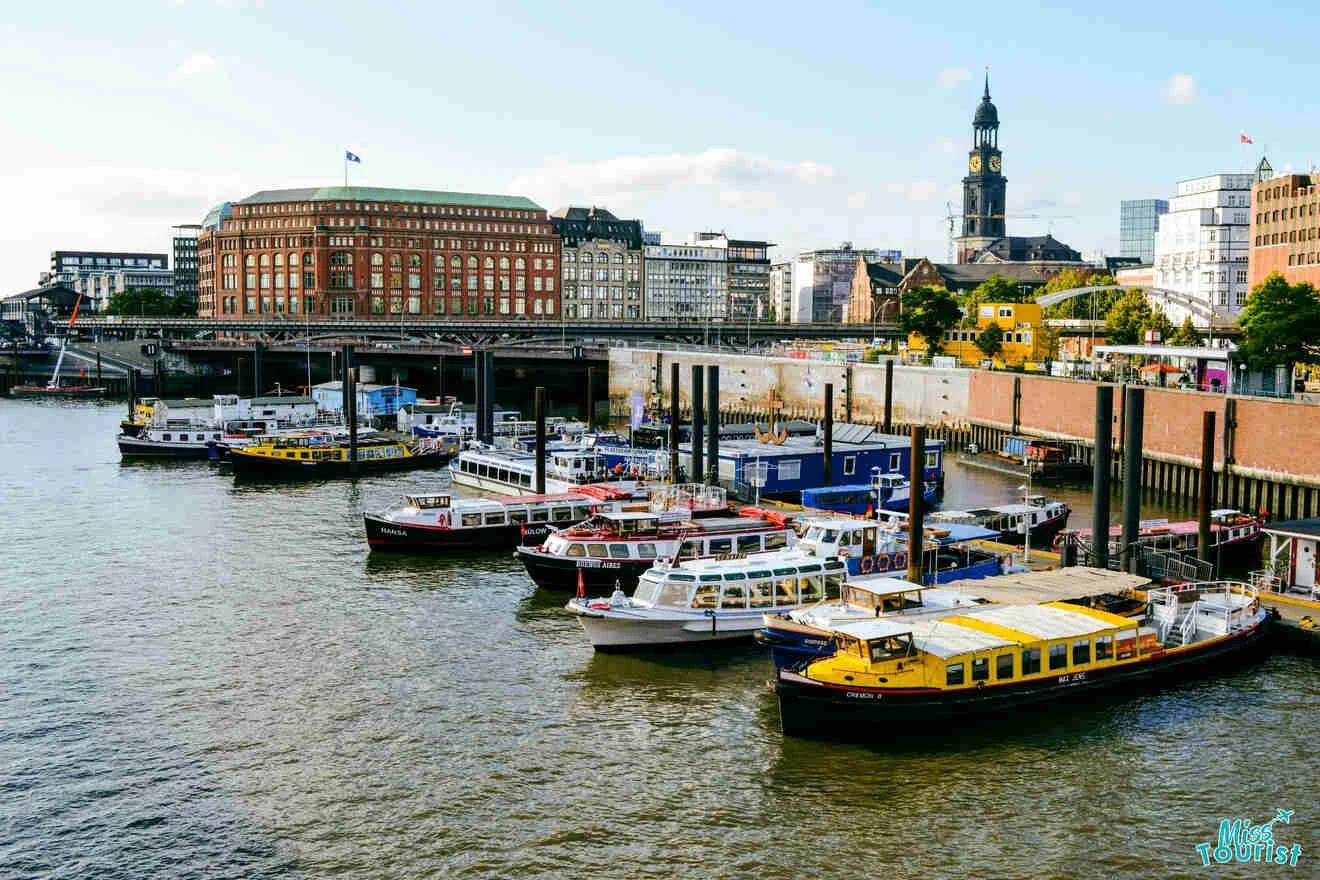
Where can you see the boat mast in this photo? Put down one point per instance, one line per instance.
(59, 362)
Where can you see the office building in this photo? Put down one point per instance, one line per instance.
(1201, 251)
(1137, 221)
(687, 282)
(822, 281)
(1285, 227)
(185, 262)
(601, 259)
(98, 275)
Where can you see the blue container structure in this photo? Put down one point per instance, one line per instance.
(785, 470)
(863, 498)
(372, 400)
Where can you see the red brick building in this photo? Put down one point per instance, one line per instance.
(386, 254)
(1285, 228)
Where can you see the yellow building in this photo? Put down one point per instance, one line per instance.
(1024, 341)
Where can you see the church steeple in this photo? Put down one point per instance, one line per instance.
(983, 187)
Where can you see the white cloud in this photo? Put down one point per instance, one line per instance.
(754, 200)
(952, 77)
(738, 172)
(194, 65)
(857, 200)
(1180, 89)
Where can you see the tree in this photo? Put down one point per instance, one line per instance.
(1127, 318)
(1079, 307)
(146, 301)
(1186, 335)
(929, 312)
(995, 289)
(991, 340)
(1281, 324)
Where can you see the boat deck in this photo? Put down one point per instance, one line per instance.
(1035, 587)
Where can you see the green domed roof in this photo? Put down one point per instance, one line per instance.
(986, 114)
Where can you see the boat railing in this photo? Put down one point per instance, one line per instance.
(1266, 580)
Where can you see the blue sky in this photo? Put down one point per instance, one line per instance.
(802, 124)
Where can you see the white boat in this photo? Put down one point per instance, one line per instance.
(1040, 518)
(508, 470)
(705, 600)
(186, 428)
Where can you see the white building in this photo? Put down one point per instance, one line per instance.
(822, 282)
(100, 287)
(781, 291)
(687, 282)
(1201, 249)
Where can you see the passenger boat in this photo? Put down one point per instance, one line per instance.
(1234, 536)
(807, 632)
(507, 470)
(502, 522)
(889, 673)
(881, 547)
(705, 600)
(313, 454)
(1043, 519)
(612, 549)
(191, 428)
(885, 492)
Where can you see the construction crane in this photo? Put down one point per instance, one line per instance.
(1049, 218)
(948, 210)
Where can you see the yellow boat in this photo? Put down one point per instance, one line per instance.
(890, 672)
(316, 454)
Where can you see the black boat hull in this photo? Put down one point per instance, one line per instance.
(561, 572)
(254, 465)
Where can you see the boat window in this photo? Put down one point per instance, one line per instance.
(646, 551)
(183, 436)
(502, 474)
(749, 543)
(776, 541)
(734, 576)
(561, 514)
(1104, 648)
(1031, 661)
(576, 550)
(720, 545)
(831, 536)
(735, 596)
(648, 587)
(679, 576)
(518, 515)
(1081, 652)
(619, 551)
(813, 533)
(761, 593)
(599, 551)
(706, 596)
(495, 519)
(471, 519)
(980, 669)
(690, 550)
(303, 454)
(953, 674)
(1058, 657)
(786, 592)
(539, 515)
(673, 593)
(581, 513)
(165, 436)
(811, 589)
(483, 470)
(889, 648)
(1003, 667)
(834, 585)
(525, 480)
(215, 436)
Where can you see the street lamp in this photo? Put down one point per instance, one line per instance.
(1026, 519)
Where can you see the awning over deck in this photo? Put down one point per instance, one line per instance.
(1034, 587)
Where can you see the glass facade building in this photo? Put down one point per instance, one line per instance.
(1138, 220)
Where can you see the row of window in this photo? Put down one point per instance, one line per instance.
(1021, 337)
(375, 208)
(601, 311)
(1058, 656)
(586, 257)
(1291, 237)
(571, 274)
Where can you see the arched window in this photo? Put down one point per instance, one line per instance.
(439, 261)
(341, 258)
(504, 262)
(265, 260)
(489, 262)
(455, 262)
(520, 265)
(279, 259)
(618, 258)
(378, 259)
(293, 259)
(307, 258)
(472, 262)
(586, 258)
(414, 261)
(395, 261)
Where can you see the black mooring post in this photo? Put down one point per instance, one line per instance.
(713, 425)
(540, 440)
(1207, 490)
(829, 434)
(916, 505)
(698, 472)
(674, 416)
(1100, 475)
(1134, 416)
(132, 394)
(349, 386)
(258, 367)
(889, 395)
(591, 399)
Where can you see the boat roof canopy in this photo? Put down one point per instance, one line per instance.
(879, 585)
(1075, 582)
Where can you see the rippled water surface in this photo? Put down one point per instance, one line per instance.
(204, 679)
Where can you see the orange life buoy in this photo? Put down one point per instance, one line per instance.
(867, 565)
(882, 562)
(900, 560)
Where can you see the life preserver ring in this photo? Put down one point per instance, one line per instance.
(1058, 541)
(882, 562)
(867, 565)
(900, 560)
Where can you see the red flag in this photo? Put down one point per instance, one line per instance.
(582, 591)
(1242, 138)
(74, 317)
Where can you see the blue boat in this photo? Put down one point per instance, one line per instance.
(885, 492)
(881, 548)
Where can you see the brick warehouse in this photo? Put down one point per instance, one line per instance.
(375, 253)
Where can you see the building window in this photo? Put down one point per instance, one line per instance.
(309, 280)
(377, 304)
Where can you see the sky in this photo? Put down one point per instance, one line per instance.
(806, 125)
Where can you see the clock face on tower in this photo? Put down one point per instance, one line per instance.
(995, 164)
(975, 164)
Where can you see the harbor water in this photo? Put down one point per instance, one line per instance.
(203, 678)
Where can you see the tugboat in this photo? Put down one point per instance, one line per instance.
(614, 549)
(319, 455)
(888, 673)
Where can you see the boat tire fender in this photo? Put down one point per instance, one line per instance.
(900, 560)
(867, 565)
(882, 562)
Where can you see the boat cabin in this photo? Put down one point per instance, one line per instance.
(1291, 558)
(636, 536)
(846, 537)
(726, 584)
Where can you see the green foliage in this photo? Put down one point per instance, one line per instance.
(994, 289)
(1186, 335)
(1281, 324)
(929, 311)
(1129, 318)
(991, 340)
(147, 301)
(1079, 307)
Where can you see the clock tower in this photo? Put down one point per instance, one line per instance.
(983, 187)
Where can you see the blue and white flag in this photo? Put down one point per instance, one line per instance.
(352, 157)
